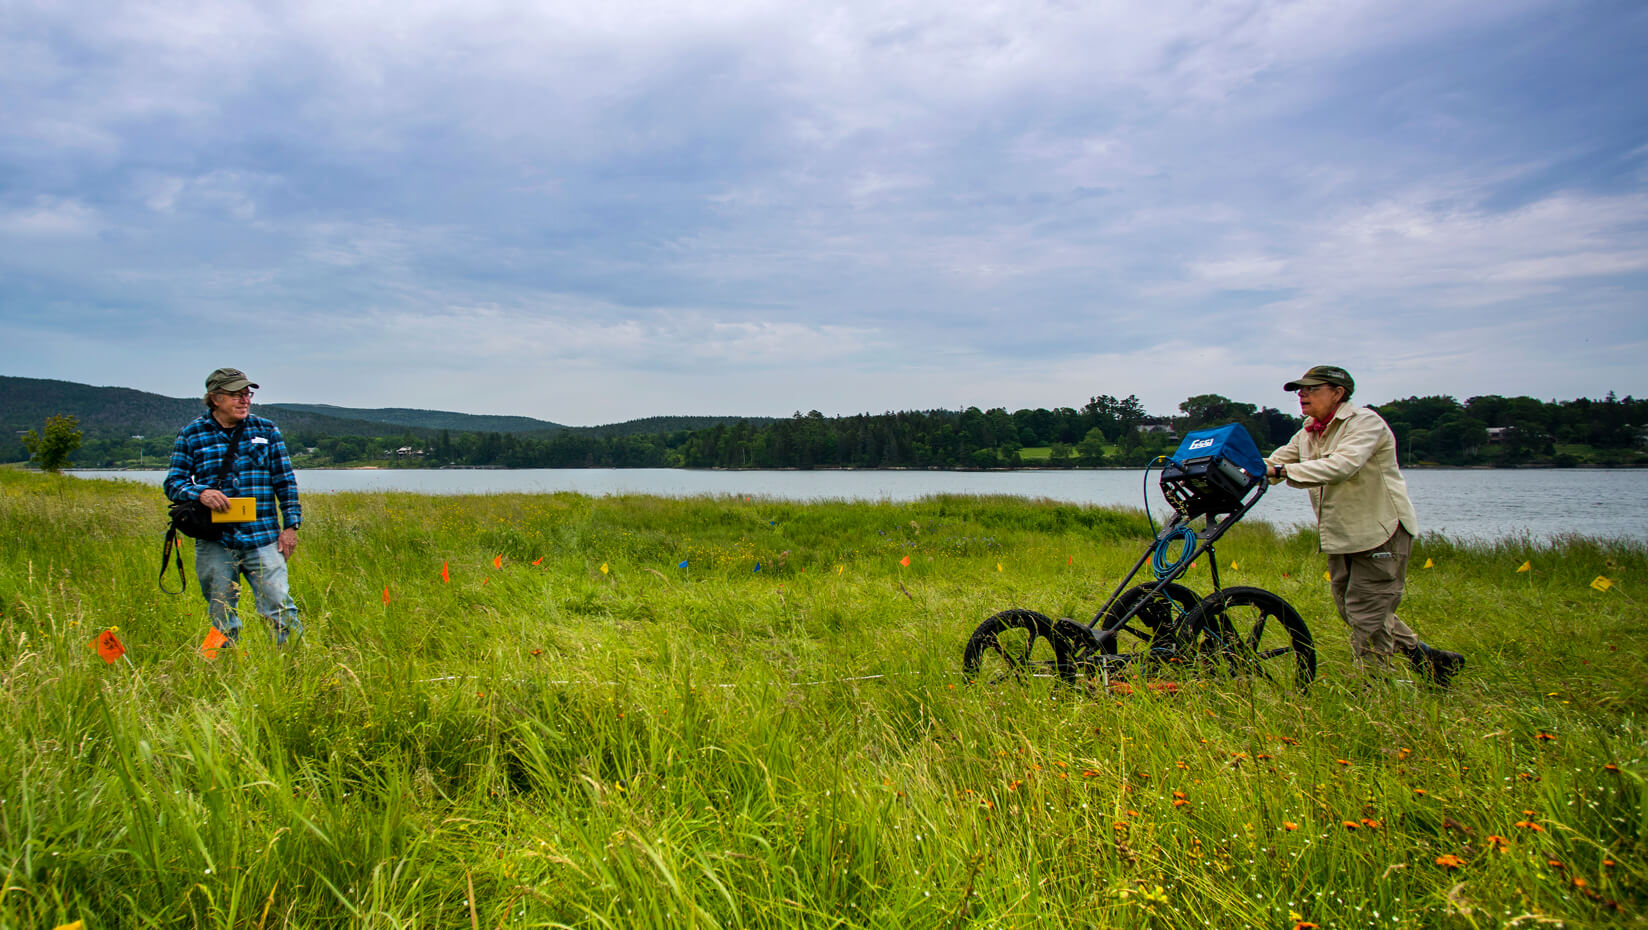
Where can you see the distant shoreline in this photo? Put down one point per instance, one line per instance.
(834, 468)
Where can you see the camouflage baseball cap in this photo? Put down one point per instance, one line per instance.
(227, 381)
(1322, 374)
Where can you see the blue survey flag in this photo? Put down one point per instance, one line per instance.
(683, 564)
(758, 566)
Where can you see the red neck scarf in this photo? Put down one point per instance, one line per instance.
(1317, 427)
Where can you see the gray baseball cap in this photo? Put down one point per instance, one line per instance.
(227, 381)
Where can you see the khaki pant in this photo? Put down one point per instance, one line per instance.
(1367, 586)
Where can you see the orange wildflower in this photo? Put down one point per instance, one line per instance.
(1289, 826)
(1014, 784)
(1090, 773)
(1370, 823)
(1180, 802)
(1544, 737)
(1304, 925)
(1449, 861)
(1530, 825)
(1351, 825)
(1609, 863)
(1420, 791)
(1179, 794)
(1555, 863)
(1495, 841)
(1610, 767)
(1342, 761)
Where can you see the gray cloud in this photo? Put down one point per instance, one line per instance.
(760, 207)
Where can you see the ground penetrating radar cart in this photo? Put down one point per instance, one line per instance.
(1216, 475)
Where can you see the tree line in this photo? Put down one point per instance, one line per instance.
(1106, 431)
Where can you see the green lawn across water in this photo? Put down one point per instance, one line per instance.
(572, 730)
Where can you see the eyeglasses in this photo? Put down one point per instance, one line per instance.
(1305, 391)
(237, 395)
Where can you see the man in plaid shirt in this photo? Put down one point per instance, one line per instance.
(262, 471)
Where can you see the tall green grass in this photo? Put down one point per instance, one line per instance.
(550, 744)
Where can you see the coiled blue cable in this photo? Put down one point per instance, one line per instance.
(1158, 559)
(1184, 534)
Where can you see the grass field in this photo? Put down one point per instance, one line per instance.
(573, 730)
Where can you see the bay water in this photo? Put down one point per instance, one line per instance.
(1466, 504)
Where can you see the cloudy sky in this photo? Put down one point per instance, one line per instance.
(589, 212)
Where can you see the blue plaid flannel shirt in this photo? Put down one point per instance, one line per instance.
(262, 470)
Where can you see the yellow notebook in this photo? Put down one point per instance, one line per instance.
(241, 510)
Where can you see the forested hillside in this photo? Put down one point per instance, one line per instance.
(116, 413)
(408, 418)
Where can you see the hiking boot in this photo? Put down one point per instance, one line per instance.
(1438, 665)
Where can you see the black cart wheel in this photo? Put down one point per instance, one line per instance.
(1017, 644)
(1157, 623)
(1252, 631)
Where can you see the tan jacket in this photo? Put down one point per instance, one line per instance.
(1355, 485)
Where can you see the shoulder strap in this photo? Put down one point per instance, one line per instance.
(229, 454)
(172, 547)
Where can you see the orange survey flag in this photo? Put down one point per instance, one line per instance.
(904, 561)
(386, 594)
(108, 646)
(497, 561)
(446, 577)
(214, 641)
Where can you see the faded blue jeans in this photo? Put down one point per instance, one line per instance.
(219, 569)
